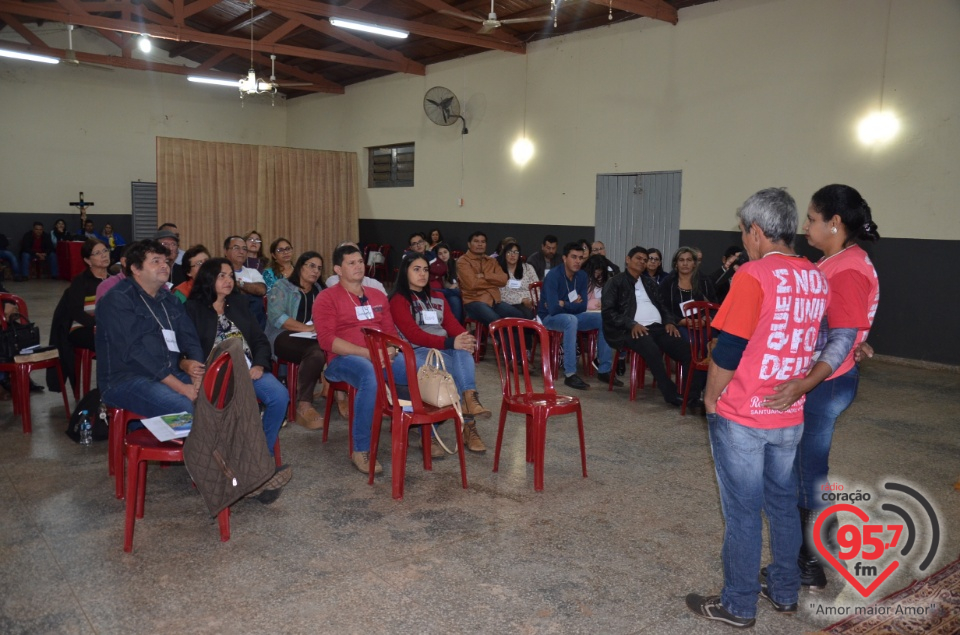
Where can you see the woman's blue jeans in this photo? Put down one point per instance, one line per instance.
(755, 472)
(459, 364)
(824, 404)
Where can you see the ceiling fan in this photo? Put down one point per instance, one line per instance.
(70, 55)
(250, 84)
(492, 22)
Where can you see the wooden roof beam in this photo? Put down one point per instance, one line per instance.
(419, 28)
(182, 34)
(656, 9)
(322, 26)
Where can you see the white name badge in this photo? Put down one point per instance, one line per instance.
(430, 317)
(572, 296)
(171, 339)
(364, 312)
(513, 283)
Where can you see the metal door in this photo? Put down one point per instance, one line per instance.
(638, 209)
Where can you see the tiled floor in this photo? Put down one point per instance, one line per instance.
(613, 553)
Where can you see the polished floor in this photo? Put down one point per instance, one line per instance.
(613, 553)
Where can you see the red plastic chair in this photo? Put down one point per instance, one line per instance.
(479, 332)
(20, 371)
(293, 370)
(556, 337)
(402, 419)
(699, 317)
(141, 447)
(587, 341)
(638, 370)
(518, 394)
(82, 369)
(331, 398)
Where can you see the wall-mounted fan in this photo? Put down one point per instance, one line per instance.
(443, 107)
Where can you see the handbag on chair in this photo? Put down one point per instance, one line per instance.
(437, 388)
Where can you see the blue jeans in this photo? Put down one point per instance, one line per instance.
(275, 399)
(459, 364)
(755, 471)
(569, 324)
(148, 397)
(455, 300)
(485, 313)
(358, 372)
(824, 404)
(12, 261)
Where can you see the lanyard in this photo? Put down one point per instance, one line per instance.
(169, 321)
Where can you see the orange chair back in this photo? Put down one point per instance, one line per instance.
(509, 335)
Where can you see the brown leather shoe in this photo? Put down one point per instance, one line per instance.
(436, 452)
(309, 418)
(472, 406)
(471, 438)
(343, 406)
(362, 462)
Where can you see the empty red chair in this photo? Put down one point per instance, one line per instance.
(519, 396)
(402, 419)
(82, 369)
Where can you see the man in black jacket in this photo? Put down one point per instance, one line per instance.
(35, 245)
(634, 317)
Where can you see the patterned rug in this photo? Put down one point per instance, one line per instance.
(930, 606)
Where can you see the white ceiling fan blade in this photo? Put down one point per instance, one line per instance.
(462, 16)
(542, 18)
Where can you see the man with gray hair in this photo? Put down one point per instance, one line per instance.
(767, 329)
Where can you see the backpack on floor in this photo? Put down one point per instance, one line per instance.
(98, 417)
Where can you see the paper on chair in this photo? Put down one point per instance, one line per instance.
(169, 427)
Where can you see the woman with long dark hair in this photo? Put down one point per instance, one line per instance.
(598, 273)
(837, 218)
(281, 262)
(193, 259)
(289, 308)
(219, 314)
(423, 318)
(444, 279)
(655, 266)
(685, 284)
(520, 276)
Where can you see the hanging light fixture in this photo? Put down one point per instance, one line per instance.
(523, 150)
(880, 126)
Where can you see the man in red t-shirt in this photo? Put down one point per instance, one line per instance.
(340, 313)
(767, 327)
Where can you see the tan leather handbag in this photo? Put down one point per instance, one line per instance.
(437, 387)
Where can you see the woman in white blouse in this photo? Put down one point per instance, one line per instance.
(519, 278)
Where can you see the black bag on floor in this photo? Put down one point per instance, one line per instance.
(90, 403)
(17, 337)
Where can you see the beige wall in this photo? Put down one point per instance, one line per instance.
(66, 129)
(739, 95)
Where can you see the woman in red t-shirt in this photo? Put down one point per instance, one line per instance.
(837, 217)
